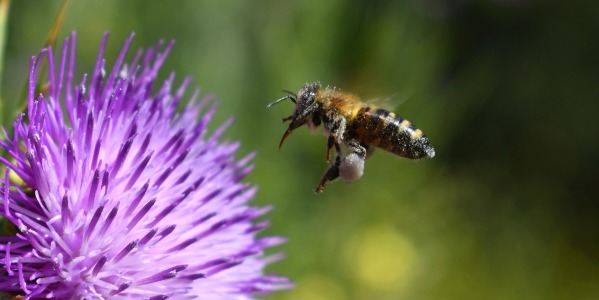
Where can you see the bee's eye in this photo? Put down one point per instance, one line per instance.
(308, 98)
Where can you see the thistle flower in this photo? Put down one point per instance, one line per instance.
(121, 196)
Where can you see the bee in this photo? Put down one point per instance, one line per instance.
(358, 126)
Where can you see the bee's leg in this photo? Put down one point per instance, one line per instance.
(337, 128)
(332, 173)
(355, 147)
(330, 143)
(285, 119)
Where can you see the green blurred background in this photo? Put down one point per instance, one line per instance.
(506, 90)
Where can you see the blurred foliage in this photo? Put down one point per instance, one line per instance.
(506, 91)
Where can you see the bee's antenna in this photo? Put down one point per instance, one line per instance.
(279, 100)
(292, 96)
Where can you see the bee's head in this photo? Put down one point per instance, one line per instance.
(305, 106)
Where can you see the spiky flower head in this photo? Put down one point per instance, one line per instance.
(121, 196)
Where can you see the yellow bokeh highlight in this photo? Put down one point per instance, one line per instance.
(316, 287)
(380, 258)
(13, 177)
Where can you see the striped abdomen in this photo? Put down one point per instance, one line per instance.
(386, 130)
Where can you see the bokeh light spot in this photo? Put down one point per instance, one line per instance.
(380, 258)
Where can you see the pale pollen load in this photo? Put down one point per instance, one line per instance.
(352, 167)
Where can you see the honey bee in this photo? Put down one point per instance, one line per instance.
(358, 126)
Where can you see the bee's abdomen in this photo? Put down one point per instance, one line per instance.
(388, 131)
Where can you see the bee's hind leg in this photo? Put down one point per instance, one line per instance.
(357, 148)
(332, 172)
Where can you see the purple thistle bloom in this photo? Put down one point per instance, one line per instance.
(123, 197)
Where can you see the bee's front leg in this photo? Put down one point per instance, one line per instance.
(332, 173)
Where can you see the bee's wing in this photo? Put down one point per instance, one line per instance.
(389, 103)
